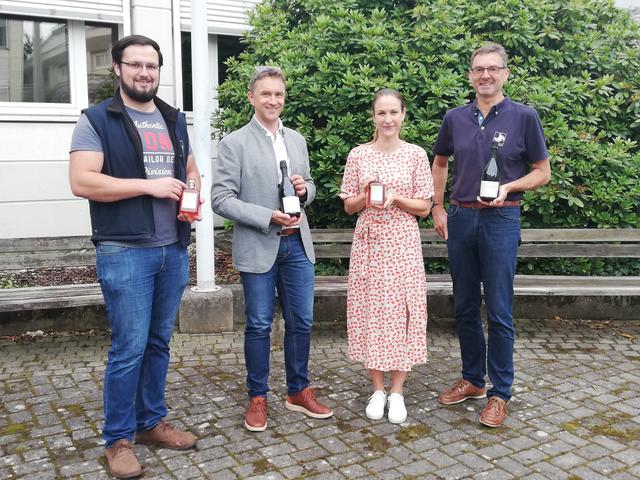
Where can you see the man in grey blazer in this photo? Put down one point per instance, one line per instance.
(271, 249)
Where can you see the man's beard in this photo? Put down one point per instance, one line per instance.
(137, 95)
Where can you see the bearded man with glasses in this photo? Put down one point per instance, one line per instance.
(130, 158)
(483, 236)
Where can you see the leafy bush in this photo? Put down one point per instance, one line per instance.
(576, 61)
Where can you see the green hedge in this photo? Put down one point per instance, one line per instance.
(577, 62)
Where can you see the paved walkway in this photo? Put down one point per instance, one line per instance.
(575, 412)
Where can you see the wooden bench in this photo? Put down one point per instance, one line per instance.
(76, 306)
(536, 296)
(67, 307)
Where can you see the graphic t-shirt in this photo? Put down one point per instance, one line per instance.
(159, 159)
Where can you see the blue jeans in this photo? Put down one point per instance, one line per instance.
(483, 247)
(292, 274)
(142, 289)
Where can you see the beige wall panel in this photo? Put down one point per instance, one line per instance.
(34, 181)
(44, 219)
(28, 142)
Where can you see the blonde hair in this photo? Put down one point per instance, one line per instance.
(391, 92)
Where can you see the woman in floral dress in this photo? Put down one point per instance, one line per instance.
(387, 294)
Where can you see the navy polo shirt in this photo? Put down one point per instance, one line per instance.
(469, 141)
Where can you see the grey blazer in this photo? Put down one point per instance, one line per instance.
(245, 190)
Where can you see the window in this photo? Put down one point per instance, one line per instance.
(100, 77)
(227, 47)
(187, 85)
(3, 33)
(34, 66)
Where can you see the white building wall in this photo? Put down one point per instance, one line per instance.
(35, 197)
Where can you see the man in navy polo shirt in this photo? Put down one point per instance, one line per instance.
(483, 237)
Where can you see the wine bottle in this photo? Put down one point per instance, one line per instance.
(289, 199)
(376, 193)
(490, 180)
(190, 200)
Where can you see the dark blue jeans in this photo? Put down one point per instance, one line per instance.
(482, 247)
(142, 289)
(293, 276)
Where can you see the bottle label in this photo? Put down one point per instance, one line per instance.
(291, 205)
(189, 201)
(489, 189)
(376, 195)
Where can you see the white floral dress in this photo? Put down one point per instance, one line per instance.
(387, 294)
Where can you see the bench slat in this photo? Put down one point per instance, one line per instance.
(581, 235)
(343, 250)
(527, 285)
(62, 296)
(44, 243)
(528, 235)
(48, 258)
(612, 250)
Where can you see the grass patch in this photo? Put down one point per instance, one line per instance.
(380, 444)
(414, 432)
(619, 434)
(13, 429)
(75, 409)
(261, 466)
(571, 426)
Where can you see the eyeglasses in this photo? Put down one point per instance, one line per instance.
(493, 70)
(151, 67)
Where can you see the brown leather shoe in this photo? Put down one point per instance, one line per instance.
(495, 413)
(255, 418)
(167, 436)
(305, 401)
(462, 390)
(122, 461)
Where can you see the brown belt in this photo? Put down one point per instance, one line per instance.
(287, 232)
(476, 204)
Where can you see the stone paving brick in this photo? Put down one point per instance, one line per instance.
(623, 476)
(355, 471)
(568, 461)
(549, 470)
(587, 473)
(494, 451)
(418, 469)
(439, 459)
(628, 457)
(494, 474)
(474, 462)
(343, 459)
(575, 411)
(391, 475)
(514, 467)
(606, 466)
(80, 468)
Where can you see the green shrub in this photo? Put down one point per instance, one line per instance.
(576, 61)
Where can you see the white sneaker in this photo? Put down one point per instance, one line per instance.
(397, 411)
(375, 407)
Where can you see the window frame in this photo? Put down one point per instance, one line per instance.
(78, 74)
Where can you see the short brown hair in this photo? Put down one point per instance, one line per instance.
(265, 71)
(120, 46)
(490, 48)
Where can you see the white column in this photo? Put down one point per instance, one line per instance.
(154, 19)
(201, 142)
